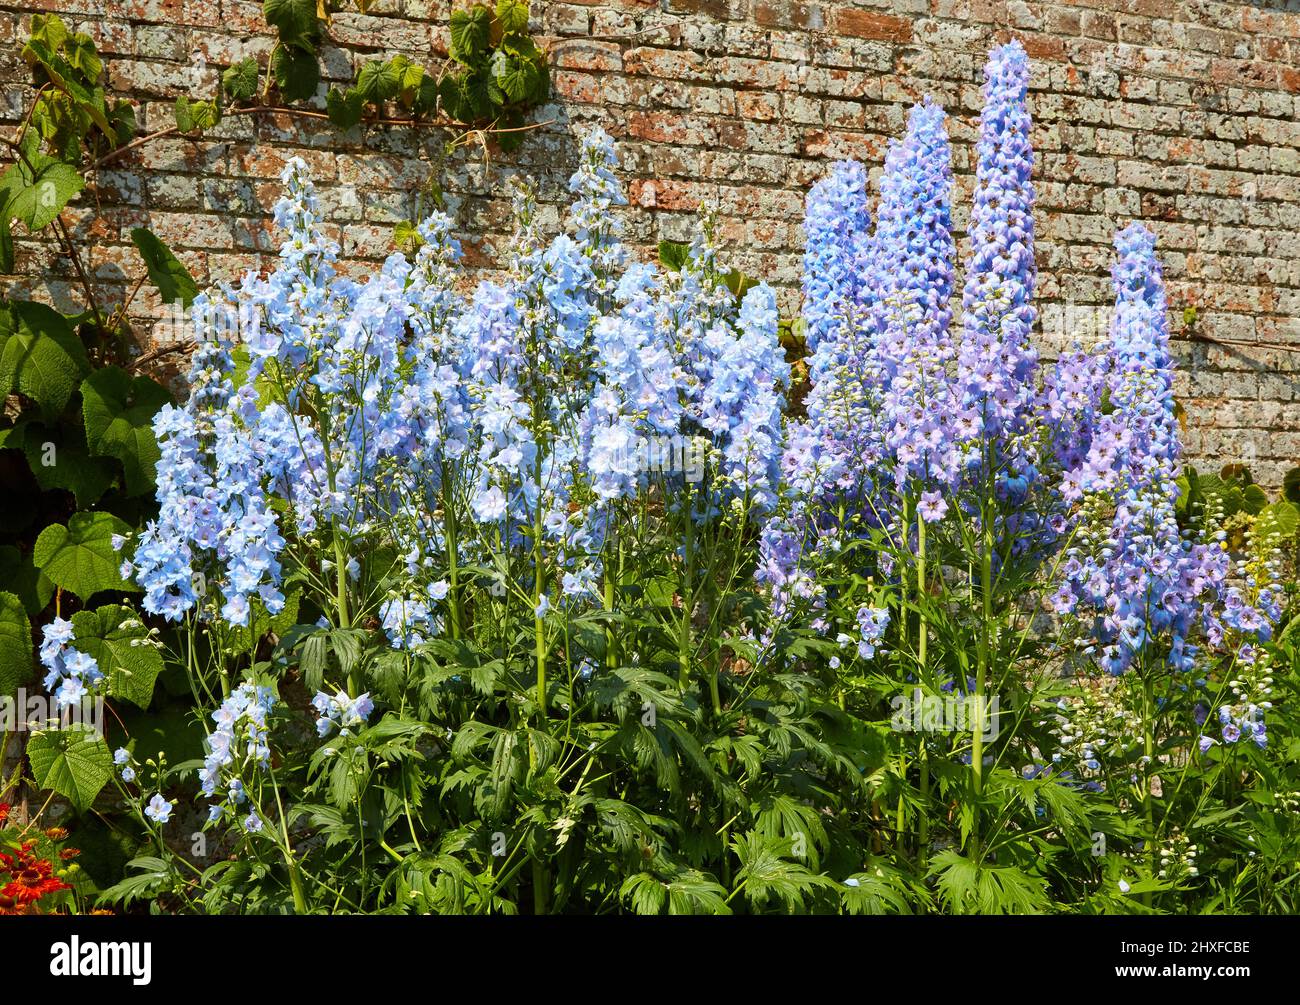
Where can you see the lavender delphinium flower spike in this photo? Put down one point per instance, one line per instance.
(913, 254)
(1144, 577)
(997, 359)
(836, 251)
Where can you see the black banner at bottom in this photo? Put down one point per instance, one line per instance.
(333, 954)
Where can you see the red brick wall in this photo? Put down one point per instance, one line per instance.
(1183, 114)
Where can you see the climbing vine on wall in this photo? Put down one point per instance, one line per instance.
(493, 76)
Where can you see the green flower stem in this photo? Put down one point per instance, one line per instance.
(453, 570)
(1148, 748)
(922, 596)
(688, 600)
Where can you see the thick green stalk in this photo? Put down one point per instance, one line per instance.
(922, 598)
(453, 571)
(688, 602)
(539, 626)
(983, 655)
(611, 584)
(1149, 748)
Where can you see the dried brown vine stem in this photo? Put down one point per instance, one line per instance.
(154, 355)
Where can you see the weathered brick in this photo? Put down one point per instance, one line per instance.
(1184, 117)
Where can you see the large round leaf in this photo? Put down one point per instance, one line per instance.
(40, 355)
(59, 459)
(119, 411)
(24, 580)
(37, 188)
(80, 556)
(15, 644)
(73, 761)
(120, 643)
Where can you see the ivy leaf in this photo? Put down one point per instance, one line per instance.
(83, 57)
(50, 29)
(467, 96)
(192, 115)
(206, 114)
(73, 761)
(24, 580)
(166, 271)
(118, 640)
(15, 644)
(239, 80)
(295, 20)
(36, 192)
(58, 458)
(344, 107)
(513, 15)
(379, 81)
(471, 31)
(296, 72)
(80, 557)
(40, 355)
(119, 411)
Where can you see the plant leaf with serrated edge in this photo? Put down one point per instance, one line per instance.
(674, 254)
(181, 110)
(378, 81)
(471, 32)
(513, 15)
(296, 21)
(119, 642)
(168, 274)
(40, 355)
(24, 580)
(58, 458)
(37, 192)
(80, 556)
(296, 72)
(239, 80)
(73, 761)
(514, 77)
(344, 107)
(119, 411)
(6, 241)
(15, 644)
(406, 237)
